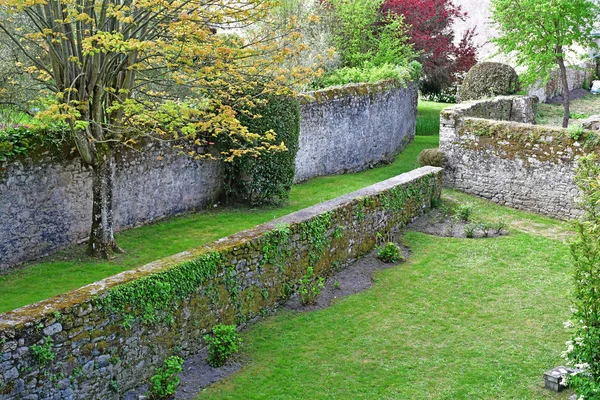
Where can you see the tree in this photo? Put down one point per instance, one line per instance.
(363, 36)
(540, 32)
(430, 30)
(119, 72)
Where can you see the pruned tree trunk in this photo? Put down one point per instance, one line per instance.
(102, 238)
(565, 85)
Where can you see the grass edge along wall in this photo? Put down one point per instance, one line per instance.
(109, 336)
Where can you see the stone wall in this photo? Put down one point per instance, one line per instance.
(108, 337)
(494, 151)
(46, 205)
(354, 127)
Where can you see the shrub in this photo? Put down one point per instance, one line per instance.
(464, 212)
(389, 253)
(368, 73)
(267, 178)
(584, 348)
(309, 287)
(433, 157)
(362, 34)
(489, 79)
(166, 380)
(222, 344)
(470, 230)
(43, 353)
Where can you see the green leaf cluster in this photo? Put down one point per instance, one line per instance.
(222, 344)
(268, 178)
(165, 382)
(537, 32)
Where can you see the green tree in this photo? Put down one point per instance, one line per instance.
(121, 72)
(540, 32)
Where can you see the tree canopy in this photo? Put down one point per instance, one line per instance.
(117, 71)
(539, 33)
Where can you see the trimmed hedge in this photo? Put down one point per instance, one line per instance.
(489, 79)
(267, 179)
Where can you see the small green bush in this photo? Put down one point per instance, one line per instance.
(165, 382)
(309, 287)
(470, 230)
(432, 157)
(489, 79)
(43, 353)
(369, 73)
(222, 344)
(464, 212)
(389, 253)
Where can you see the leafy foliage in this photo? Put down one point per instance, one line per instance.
(309, 287)
(23, 140)
(222, 344)
(362, 35)
(370, 73)
(584, 348)
(43, 353)
(268, 177)
(539, 33)
(431, 33)
(389, 253)
(165, 382)
(154, 297)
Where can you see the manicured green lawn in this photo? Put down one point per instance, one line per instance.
(70, 269)
(461, 319)
(428, 122)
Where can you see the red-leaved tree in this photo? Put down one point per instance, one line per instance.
(431, 31)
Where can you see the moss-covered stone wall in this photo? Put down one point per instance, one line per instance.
(517, 164)
(106, 338)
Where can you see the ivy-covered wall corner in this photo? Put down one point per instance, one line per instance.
(102, 340)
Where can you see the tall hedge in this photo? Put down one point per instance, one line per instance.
(267, 179)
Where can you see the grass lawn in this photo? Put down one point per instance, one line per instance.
(461, 319)
(428, 121)
(71, 269)
(552, 114)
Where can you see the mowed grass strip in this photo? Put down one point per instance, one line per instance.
(71, 269)
(461, 319)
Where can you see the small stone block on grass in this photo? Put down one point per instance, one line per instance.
(553, 379)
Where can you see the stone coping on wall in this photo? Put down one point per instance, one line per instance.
(351, 90)
(81, 298)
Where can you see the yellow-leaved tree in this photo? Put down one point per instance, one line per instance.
(120, 71)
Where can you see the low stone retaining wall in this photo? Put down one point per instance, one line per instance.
(108, 337)
(354, 127)
(46, 204)
(516, 164)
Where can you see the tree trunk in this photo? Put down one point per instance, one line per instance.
(102, 239)
(565, 85)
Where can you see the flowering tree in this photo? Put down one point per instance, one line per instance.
(120, 71)
(431, 32)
